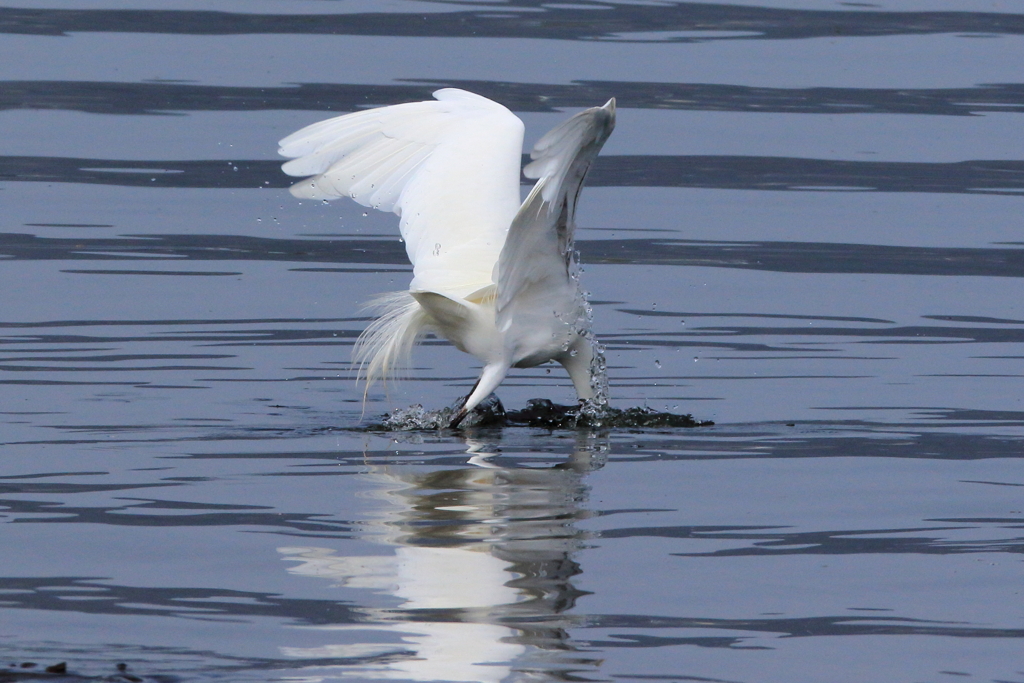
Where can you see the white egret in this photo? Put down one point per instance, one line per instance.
(495, 278)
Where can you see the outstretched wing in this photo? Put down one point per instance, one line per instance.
(533, 269)
(449, 167)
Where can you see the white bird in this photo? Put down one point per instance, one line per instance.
(495, 278)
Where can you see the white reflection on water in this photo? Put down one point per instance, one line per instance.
(482, 570)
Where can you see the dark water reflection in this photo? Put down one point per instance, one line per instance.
(169, 98)
(736, 173)
(529, 19)
(784, 257)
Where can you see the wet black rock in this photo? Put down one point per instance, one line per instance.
(539, 412)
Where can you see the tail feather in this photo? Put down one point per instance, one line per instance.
(383, 350)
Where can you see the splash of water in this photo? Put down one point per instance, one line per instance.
(594, 410)
(490, 413)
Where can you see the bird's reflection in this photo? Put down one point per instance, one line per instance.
(481, 574)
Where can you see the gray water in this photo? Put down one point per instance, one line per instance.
(806, 228)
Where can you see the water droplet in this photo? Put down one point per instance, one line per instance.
(437, 249)
(657, 363)
(365, 214)
(326, 202)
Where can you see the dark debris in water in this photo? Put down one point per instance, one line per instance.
(31, 671)
(26, 671)
(539, 412)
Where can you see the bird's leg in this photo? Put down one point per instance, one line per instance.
(576, 362)
(489, 380)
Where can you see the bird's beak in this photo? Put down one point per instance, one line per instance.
(457, 420)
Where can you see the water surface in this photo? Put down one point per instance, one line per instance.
(805, 228)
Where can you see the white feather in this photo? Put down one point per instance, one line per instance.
(384, 348)
(449, 168)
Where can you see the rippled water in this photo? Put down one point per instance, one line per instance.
(806, 228)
